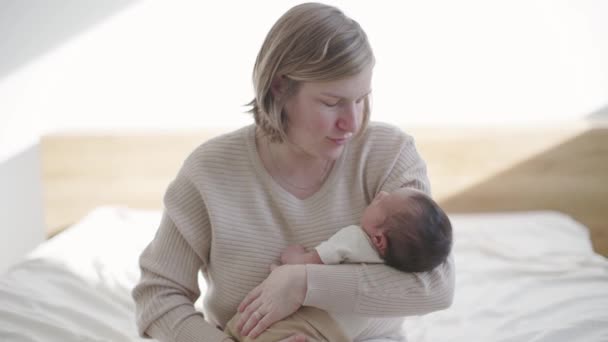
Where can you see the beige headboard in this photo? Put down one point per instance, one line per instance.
(472, 169)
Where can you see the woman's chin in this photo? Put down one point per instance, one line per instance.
(334, 153)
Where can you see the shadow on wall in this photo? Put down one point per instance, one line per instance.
(599, 115)
(29, 29)
(571, 177)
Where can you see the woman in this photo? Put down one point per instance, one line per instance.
(308, 167)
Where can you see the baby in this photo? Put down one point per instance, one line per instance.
(404, 229)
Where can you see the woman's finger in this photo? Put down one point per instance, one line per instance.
(251, 296)
(246, 315)
(252, 322)
(264, 322)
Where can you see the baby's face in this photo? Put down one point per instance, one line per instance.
(383, 205)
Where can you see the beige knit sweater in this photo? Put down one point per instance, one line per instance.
(225, 216)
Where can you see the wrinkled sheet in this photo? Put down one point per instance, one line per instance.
(520, 277)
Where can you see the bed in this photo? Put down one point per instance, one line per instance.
(521, 276)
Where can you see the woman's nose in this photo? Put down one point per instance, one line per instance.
(349, 118)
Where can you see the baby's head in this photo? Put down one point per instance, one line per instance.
(409, 230)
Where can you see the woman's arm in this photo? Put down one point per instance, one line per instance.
(379, 290)
(370, 290)
(168, 288)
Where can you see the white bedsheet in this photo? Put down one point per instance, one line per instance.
(520, 277)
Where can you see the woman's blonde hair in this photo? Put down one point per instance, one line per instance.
(311, 42)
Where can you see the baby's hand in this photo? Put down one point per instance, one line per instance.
(294, 254)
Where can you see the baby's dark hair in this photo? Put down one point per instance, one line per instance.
(419, 237)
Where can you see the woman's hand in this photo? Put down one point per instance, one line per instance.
(277, 297)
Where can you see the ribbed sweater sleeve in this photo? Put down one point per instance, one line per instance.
(169, 286)
(379, 290)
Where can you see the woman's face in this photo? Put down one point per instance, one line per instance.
(323, 116)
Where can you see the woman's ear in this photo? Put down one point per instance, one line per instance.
(379, 241)
(279, 86)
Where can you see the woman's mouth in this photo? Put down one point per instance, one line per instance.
(340, 141)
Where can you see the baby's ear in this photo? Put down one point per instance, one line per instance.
(379, 241)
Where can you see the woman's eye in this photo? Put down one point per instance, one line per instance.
(331, 104)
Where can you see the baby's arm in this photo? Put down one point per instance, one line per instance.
(297, 254)
(349, 244)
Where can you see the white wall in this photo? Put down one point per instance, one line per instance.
(21, 210)
(187, 64)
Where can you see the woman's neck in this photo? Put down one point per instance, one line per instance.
(291, 167)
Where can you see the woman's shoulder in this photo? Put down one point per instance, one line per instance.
(222, 149)
(384, 135)
(223, 142)
(389, 159)
(381, 145)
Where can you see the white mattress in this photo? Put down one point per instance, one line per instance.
(520, 277)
